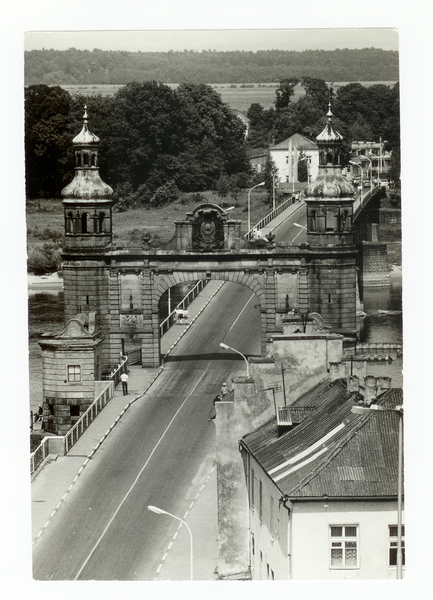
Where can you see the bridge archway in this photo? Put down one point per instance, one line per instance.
(250, 282)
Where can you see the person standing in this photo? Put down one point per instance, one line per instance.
(224, 390)
(124, 378)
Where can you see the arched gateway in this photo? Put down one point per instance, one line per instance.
(124, 285)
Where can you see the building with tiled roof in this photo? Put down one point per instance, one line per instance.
(286, 156)
(322, 486)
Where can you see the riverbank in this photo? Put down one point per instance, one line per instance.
(50, 283)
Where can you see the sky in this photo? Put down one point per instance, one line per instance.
(222, 39)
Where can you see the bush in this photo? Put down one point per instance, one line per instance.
(44, 260)
(165, 194)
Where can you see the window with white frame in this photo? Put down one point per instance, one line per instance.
(343, 546)
(74, 372)
(392, 538)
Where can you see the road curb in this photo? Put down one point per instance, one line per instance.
(117, 419)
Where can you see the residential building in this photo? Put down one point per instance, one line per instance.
(322, 485)
(369, 156)
(287, 154)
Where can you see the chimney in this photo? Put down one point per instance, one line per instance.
(352, 384)
(337, 370)
(383, 383)
(370, 392)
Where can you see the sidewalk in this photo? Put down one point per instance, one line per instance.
(55, 478)
(279, 219)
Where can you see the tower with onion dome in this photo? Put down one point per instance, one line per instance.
(87, 199)
(330, 235)
(88, 234)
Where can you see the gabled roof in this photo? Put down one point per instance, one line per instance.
(332, 453)
(298, 141)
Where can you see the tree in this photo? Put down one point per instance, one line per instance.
(269, 172)
(285, 92)
(317, 90)
(49, 128)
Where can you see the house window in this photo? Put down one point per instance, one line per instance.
(392, 537)
(74, 373)
(253, 545)
(344, 546)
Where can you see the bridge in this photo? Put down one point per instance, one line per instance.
(123, 287)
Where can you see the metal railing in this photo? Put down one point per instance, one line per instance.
(91, 413)
(274, 213)
(74, 434)
(193, 293)
(39, 455)
(122, 367)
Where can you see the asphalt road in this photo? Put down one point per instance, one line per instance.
(156, 453)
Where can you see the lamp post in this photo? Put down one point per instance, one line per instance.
(362, 172)
(249, 196)
(234, 350)
(374, 408)
(159, 511)
(299, 233)
(371, 168)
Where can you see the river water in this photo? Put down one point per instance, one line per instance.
(46, 314)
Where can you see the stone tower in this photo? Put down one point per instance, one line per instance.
(330, 235)
(88, 233)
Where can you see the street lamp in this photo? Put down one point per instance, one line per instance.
(362, 172)
(159, 511)
(373, 408)
(299, 233)
(249, 211)
(234, 350)
(371, 169)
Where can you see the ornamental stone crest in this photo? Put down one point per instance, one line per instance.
(208, 228)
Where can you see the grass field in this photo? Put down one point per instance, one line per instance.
(45, 222)
(238, 98)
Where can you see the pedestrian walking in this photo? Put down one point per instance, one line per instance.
(224, 390)
(124, 378)
(39, 415)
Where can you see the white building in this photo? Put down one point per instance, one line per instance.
(286, 156)
(323, 491)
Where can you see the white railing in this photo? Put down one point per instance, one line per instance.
(122, 367)
(274, 213)
(65, 443)
(91, 413)
(40, 454)
(193, 293)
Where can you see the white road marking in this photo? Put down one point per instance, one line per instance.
(237, 318)
(140, 473)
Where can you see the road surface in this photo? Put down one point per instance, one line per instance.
(157, 454)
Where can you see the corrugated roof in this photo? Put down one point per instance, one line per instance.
(333, 452)
(298, 141)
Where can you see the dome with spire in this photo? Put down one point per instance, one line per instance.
(85, 136)
(87, 184)
(329, 182)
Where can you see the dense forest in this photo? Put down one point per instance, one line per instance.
(68, 67)
(157, 141)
